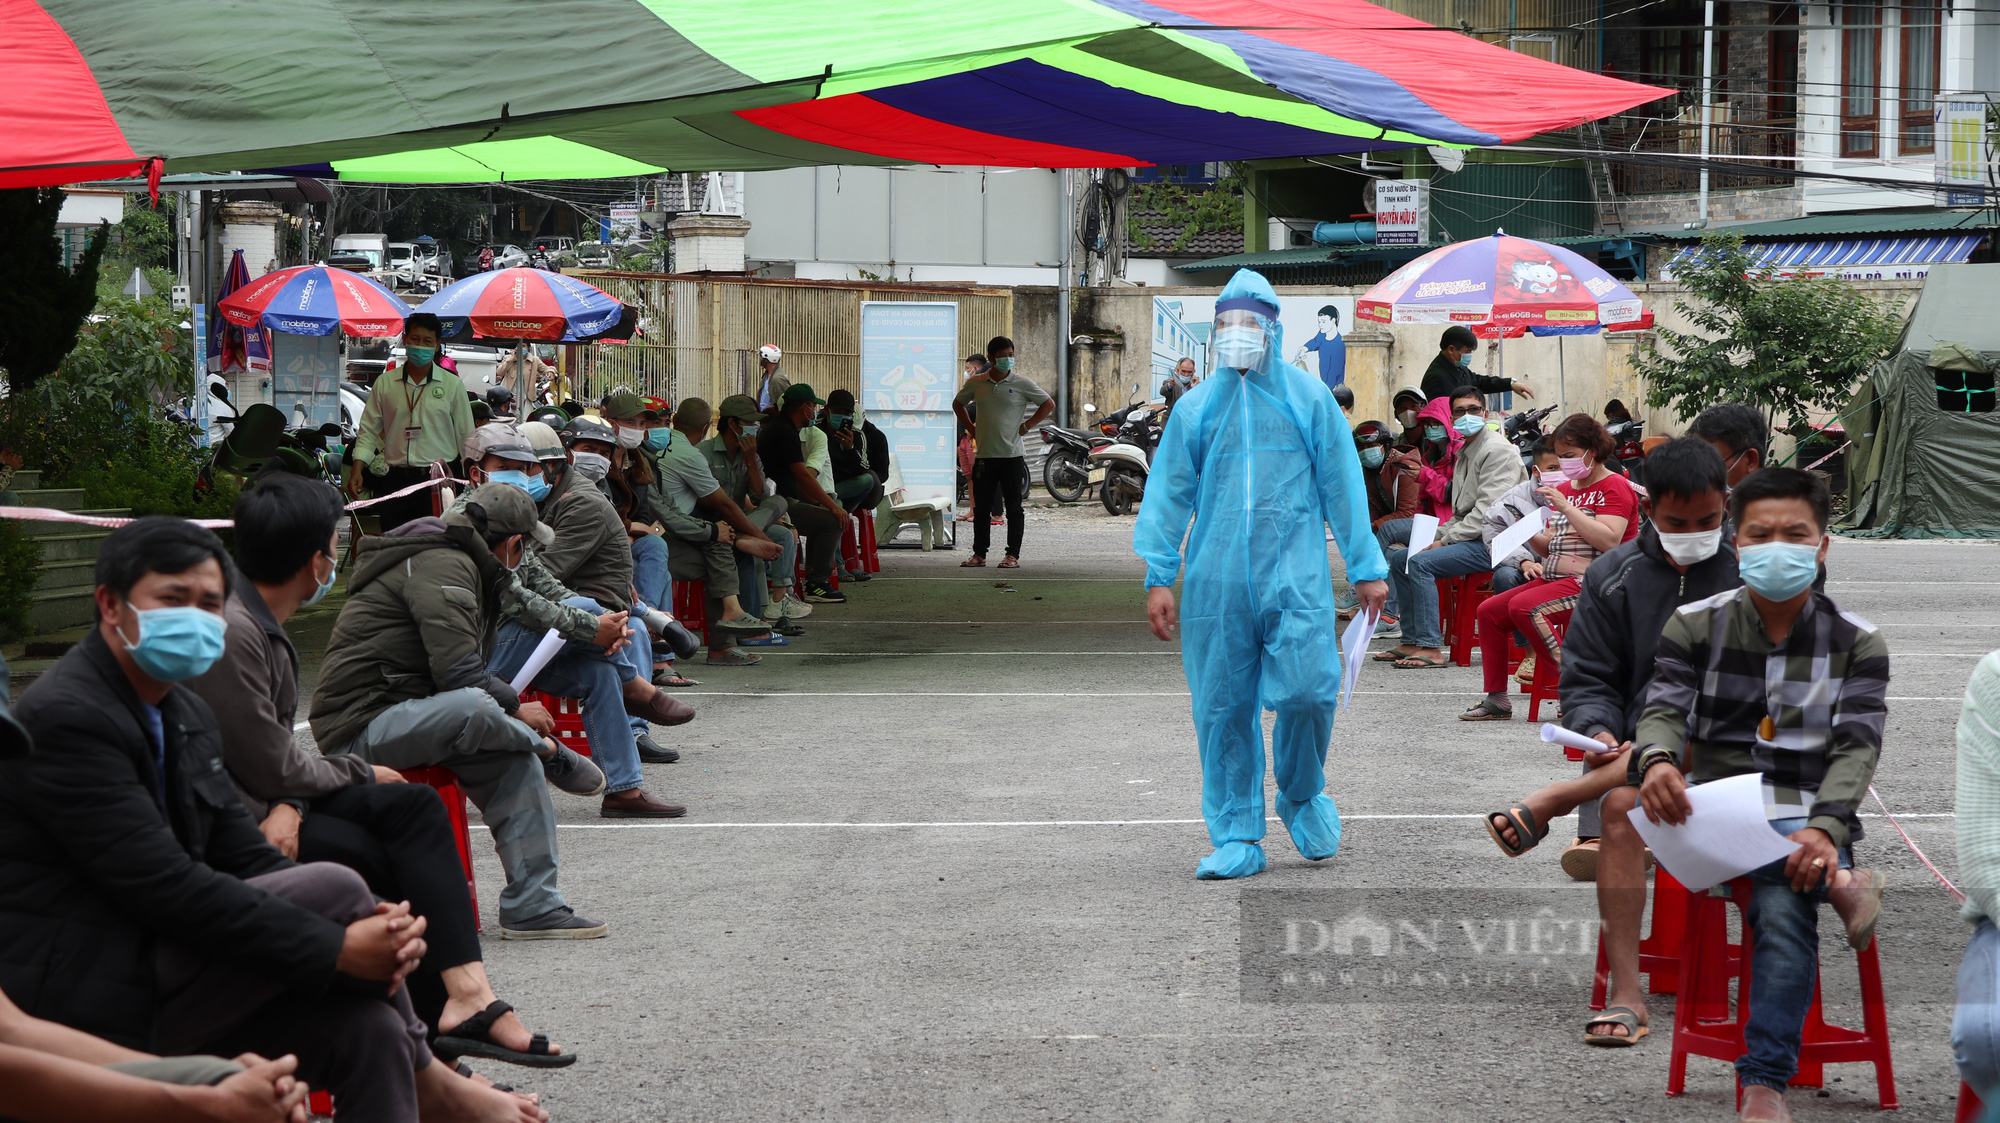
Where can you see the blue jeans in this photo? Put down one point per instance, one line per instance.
(1395, 530)
(583, 671)
(653, 583)
(1415, 592)
(1975, 1024)
(1784, 968)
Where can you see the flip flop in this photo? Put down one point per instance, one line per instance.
(1485, 711)
(673, 678)
(473, 1038)
(734, 658)
(771, 640)
(1616, 1015)
(976, 561)
(1420, 663)
(1389, 656)
(1525, 827)
(1009, 563)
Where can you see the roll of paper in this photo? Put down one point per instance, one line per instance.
(544, 651)
(1571, 739)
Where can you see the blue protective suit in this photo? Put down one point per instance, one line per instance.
(1260, 460)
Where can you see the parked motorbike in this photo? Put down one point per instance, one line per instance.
(1524, 431)
(1120, 467)
(1066, 468)
(1628, 453)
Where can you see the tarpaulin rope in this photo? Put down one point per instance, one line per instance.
(1956, 894)
(51, 515)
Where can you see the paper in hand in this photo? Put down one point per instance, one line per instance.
(1726, 836)
(544, 651)
(1354, 652)
(1571, 739)
(1517, 535)
(1423, 531)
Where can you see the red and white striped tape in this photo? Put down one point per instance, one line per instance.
(51, 515)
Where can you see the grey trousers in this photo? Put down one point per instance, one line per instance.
(494, 756)
(351, 1038)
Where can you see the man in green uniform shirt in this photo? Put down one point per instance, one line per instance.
(416, 414)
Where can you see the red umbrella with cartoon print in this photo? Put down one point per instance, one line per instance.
(1505, 283)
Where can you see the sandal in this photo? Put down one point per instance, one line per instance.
(673, 678)
(733, 658)
(1616, 1016)
(1421, 663)
(1009, 562)
(976, 561)
(1525, 826)
(1391, 655)
(473, 1038)
(465, 1070)
(1485, 710)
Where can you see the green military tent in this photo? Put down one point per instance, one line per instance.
(1926, 456)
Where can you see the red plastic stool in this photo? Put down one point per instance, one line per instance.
(319, 1102)
(1548, 675)
(1969, 1106)
(1467, 593)
(1704, 964)
(1660, 950)
(871, 558)
(850, 547)
(691, 605)
(445, 782)
(568, 713)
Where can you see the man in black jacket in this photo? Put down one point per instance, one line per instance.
(139, 902)
(1446, 373)
(1682, 555)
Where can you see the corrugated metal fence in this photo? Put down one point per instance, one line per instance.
(699, 335)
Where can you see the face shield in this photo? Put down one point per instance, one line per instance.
(1241, 339)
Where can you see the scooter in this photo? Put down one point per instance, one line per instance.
(1524, 431)
(1121, 467)
(1066, 468)
(1629, 451)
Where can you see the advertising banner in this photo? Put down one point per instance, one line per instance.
(1402, 212)
(1964, 154)
(909, 373)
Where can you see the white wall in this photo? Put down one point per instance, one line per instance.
(942, 223)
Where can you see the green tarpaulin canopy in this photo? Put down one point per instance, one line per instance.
(1925, 462)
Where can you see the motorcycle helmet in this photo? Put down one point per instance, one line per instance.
(770, 353)
(1370, 434)
(552, 416)
(500, 399)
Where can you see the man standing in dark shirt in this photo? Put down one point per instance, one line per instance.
(1447, 372)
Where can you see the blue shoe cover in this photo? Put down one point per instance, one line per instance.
(1315, 825)
(1231, 859)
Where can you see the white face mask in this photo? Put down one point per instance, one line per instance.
(591, 466)
(1696, 546)
(1239, 347)
(630, 438)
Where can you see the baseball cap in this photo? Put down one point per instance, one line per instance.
(507, 510)
(542, 438)
(800, 392)
(503, 441)
(742, 407)
(588, 429)
(840, 401)
(624, 405)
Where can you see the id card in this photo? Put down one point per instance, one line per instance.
(411, 434)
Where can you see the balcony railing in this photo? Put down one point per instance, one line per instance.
(1735, 139)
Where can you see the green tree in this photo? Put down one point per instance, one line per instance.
(1193, 208)
(42, 301)
(1787, 345)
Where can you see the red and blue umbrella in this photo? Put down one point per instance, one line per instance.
(231, 346)
(525, 304)
(316, 300)
(1506, 284)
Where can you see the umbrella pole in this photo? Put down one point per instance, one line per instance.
(1562, 374)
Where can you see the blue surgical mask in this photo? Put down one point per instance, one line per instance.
(510, 476)
(421, 356)
(1469, 425)
(1434, 432)
(1004, 365)
(749, 433)
(1373, 457)
(1778, 570)
(177, 643)
(325, 586)
(660, 439)
(838, 420)
(1239, 346)
(538, 487)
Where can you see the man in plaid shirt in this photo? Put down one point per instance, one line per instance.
(1775, 678)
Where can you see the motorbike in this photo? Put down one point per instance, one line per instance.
(1120, 467)
(1524, 431)
(1629, 450)
(1066, 468)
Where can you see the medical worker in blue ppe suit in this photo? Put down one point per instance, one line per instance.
(1260, 459)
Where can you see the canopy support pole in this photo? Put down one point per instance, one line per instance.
(1067, 227)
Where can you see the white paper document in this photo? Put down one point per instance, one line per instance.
(1570, 739)
(1423, 531)
(1726, 836)
(544, 651)
(1517, 535)
(1354, 652)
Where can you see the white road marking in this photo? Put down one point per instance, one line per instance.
(976, 824)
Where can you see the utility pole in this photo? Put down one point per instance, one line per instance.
(1707, 112)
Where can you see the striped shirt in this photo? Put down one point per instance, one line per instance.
(1717, 677)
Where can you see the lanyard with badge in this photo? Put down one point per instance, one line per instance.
(413, 431)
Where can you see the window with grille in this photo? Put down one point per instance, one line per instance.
(1919, 69)
(1860, 77)
(1963, 391)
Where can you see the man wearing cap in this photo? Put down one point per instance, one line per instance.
(850, 439)
(405, 684)
(1448, 371)
(771, 389)
(1000, 472)
(732, 459)
(586, 667)
(417, 413)
(817, 515)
